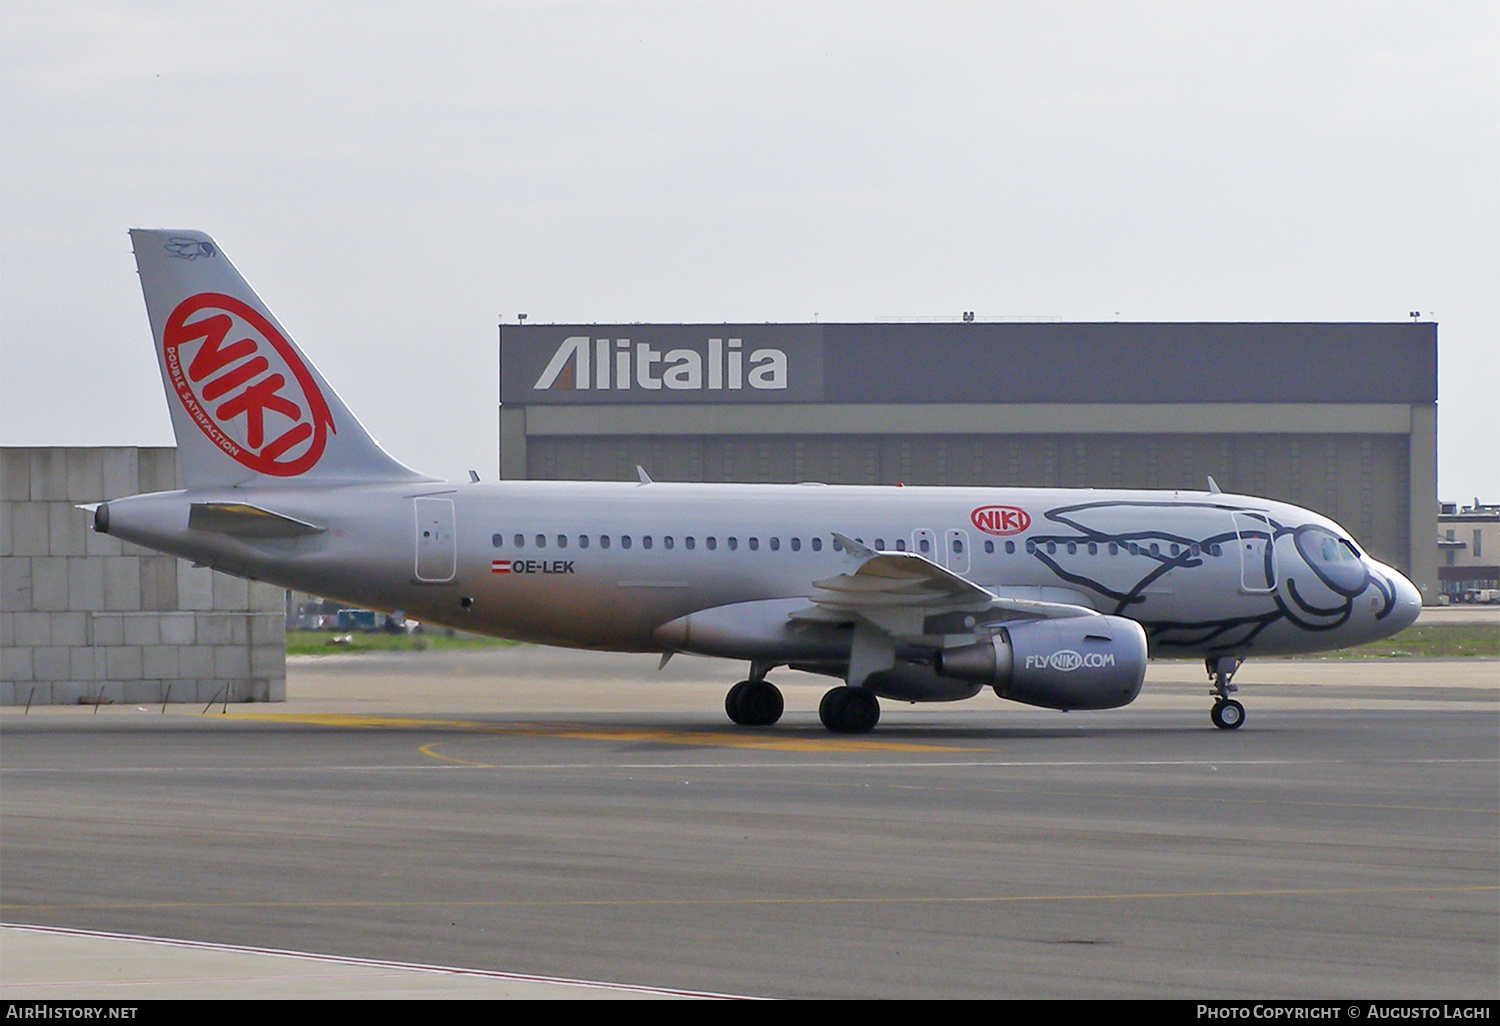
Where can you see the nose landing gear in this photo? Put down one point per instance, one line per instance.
(1227, 714)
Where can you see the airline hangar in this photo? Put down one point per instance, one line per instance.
(1338, 418)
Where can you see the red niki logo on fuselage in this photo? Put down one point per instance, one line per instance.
(254, 397)
(1000, 520)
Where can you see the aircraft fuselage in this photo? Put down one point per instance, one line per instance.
(604, 565)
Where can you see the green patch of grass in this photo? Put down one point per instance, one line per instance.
(335, 642)
(1433, 641)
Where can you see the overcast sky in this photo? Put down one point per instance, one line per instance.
(395, 177)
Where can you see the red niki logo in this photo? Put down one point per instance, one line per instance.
(254, 398)
(1000, 519)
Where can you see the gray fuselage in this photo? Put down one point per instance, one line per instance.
(604, 565)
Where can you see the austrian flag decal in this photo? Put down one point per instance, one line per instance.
(245, 386)
(499, 566)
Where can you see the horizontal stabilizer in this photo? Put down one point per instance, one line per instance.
(245, 521)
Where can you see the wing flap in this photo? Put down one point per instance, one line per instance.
(898, 590)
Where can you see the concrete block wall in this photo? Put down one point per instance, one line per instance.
(85, 616)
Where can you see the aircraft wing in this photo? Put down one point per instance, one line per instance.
(896, 591)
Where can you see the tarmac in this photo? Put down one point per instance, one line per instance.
(533, 823)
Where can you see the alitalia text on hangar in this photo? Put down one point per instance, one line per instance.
(719, 364)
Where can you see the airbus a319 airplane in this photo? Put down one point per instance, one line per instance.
(1052, 597)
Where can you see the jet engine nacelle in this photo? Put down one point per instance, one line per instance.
(1088, 662)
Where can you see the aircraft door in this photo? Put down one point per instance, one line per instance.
(436, 539)
(1255, 542)
(924, 544)
(956, 551)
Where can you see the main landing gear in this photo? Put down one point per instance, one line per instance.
(849, 710)
(844, 710)
(1227, 714)
(754, 703)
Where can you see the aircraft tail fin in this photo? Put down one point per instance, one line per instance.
(246, 404)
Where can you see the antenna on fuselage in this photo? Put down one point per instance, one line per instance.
(640, 472)
(1213, 486)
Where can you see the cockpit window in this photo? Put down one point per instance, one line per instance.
(1327, 548)
(1333, 559)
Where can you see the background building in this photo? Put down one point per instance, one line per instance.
(1468, 548)
(85, 616)
(1339, 418)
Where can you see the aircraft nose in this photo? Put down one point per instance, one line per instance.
(1408, 602)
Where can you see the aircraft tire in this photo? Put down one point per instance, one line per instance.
(1228, 715)
(846, 710)
(826, 711)
(760, 704)
(732, 702)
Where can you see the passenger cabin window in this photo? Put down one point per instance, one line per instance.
(690, 542)
(624, 541)
(817, 544)
(900, 544)
(958, 546)
(541, 541)
(796, 544)
(583, 541)
(924, 545)
(604, 541)
(775, 544)
(562, 541)
(989, 546)
(754, 544)
(734, 543)
(646, 542)
(498, 541)
(1010, 546)
(520, 541)
(711, 543)
(666, 541)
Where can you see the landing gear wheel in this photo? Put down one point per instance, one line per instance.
(754, 703)
(847, 710)
(732, 701)
(1228, 715)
